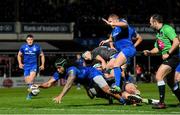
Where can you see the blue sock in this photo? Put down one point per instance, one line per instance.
(117, 75)
(122, 100)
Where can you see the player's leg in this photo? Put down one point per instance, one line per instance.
(162, 71)
(173, 83)
(177, 73)
(131, 98)
(176, 78)
(120, 60)
(100, 81)
(110, 64)
(30, 74)
(176, 88)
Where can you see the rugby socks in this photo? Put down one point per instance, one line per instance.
(161, 86)
(122, 100)
(29, 90)
(117, 75)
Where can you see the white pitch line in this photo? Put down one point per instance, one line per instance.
(93, 110)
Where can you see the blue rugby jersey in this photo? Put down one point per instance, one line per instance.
(30, 53)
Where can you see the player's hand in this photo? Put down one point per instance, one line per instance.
(165, 56)
(21, 66)
(41, 67)
(103, 42)
(107, 22)
(113, 48)
(146, 52)
(57, 99)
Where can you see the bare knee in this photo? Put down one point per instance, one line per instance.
(162, 72)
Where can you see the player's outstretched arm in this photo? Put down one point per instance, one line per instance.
(109, 40)
(66, 88)
(47, 84)
(151, 52)
(115, 23)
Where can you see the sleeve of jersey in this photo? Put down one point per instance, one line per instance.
(170, 33)
(21, 49)
(56, 76)
(155, 45)
(134, 34)
(39, 49)
(72, 71)
(123, 20)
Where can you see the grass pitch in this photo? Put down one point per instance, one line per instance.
(13, 101)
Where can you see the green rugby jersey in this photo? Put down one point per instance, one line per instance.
(164, 38)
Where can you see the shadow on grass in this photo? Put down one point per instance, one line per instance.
(173, 105)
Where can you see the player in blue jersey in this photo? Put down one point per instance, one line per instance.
(61, 65)
(28, 60)
(83, 73)
(121, 39)
(90, 75)
(58, 74)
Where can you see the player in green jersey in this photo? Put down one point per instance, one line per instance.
(167, 45)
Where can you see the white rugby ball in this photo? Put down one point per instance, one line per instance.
(35, 92)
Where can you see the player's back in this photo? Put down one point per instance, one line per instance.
(104, 52)
(88, 72)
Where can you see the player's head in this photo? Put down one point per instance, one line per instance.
(78, 56)
(29, 39)
(87, 55)
(60, 64)
(113, 18)
(155, 21)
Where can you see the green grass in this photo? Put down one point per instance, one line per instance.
(12, 101)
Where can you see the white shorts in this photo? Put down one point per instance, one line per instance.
(100, 81)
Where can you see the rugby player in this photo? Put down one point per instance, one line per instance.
(121, 38)
(27, 60)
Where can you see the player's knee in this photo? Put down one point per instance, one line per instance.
(159, 78)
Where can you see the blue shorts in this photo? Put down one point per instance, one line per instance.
(29, 69)
(129, 52)
(178, 68)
